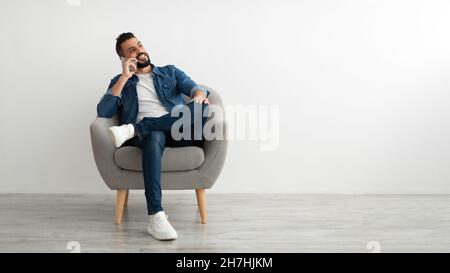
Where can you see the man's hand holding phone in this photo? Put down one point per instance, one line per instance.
(128, 67)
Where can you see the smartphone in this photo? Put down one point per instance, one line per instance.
(131, 68)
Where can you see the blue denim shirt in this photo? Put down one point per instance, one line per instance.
(170, 83)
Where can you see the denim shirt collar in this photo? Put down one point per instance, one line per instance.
(155, 70)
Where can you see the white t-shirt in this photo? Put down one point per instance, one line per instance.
(149, 103)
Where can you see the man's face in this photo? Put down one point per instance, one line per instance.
(133, 48)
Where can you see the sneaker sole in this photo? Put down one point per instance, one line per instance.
(161, 237)
(113, 138)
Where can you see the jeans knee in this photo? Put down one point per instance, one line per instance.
(155, 138)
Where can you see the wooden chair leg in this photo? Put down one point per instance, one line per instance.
(126, 199)
(120, 202)
(201, 201)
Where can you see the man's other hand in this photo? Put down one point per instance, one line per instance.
(200, 97)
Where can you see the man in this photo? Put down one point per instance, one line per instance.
(145, 95)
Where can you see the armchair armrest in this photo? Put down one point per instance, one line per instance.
(215, 150)
(103, 149)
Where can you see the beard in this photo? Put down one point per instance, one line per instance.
(143, 64)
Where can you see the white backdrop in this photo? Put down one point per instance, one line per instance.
(362, 86)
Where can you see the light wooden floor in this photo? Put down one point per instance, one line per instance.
(236, 223)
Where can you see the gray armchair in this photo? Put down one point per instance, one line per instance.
(183, 168)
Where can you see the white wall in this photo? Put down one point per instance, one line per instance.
(363, 88)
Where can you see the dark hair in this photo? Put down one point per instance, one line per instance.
(122, 38)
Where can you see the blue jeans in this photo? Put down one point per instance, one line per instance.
(153, 136)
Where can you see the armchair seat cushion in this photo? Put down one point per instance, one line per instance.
(174, 158)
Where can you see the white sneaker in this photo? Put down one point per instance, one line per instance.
(160, 228)
(120, 134)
